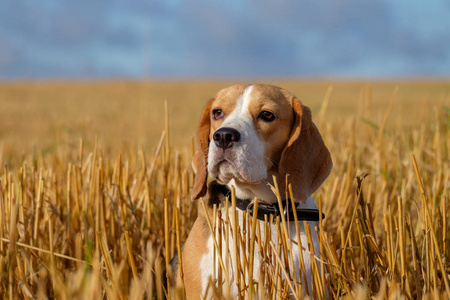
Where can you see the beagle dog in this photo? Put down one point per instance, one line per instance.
(248, 134)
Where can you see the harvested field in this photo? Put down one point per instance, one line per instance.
(95, 183)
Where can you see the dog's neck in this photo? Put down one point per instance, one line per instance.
(262, 191)
(308, 211)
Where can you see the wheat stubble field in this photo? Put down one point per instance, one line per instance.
(95, 181)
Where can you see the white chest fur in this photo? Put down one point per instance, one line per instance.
(223, 259)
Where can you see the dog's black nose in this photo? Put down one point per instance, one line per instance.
(224, 137)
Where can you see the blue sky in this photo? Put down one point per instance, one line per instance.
(173, 39)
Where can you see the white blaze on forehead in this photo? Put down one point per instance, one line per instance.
(245, 98)
(241, 111)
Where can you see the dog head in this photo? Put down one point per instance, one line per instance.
(247, 133)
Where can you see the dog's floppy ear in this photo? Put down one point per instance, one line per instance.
(200, 159)
(305, 157)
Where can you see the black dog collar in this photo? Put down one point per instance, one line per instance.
(303, 214)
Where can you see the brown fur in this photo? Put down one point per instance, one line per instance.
(201, 155)
(305, 157)
(193, 249)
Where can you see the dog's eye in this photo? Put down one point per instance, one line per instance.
(217, 114)
(267, 116)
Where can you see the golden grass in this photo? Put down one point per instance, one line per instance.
(95, 199)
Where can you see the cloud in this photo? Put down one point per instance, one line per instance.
(202, 38)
